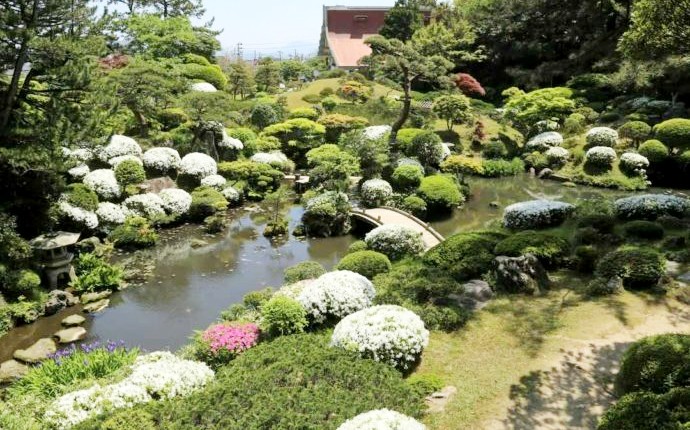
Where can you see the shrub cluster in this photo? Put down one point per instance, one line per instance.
(651, 206)
(464, 255)
(536, 214)
(395, 241)
(548, 248)
(639, 268)
(366, 263)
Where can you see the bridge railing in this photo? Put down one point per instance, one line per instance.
(424, 225)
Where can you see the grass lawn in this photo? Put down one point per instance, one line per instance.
(493, 356)
(294, 99)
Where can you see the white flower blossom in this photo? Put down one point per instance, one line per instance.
(536, 214)
(161, 159)
(375, 192)
(147, 205)
(115, 161)
(165, 376)
(82, 155)
(79, 172)
(119, 145)
(175, 201)
(600, 155)
(633, 161)
(544, 141)
(557, 155)
(214, 181)
(78, 215)
(198, 165)
(386, 333)
(103, 183)
(376, 131)
(110, 213)
(382, 419)
(602, 136)
(203, 87)
(230, 142)
(395, 241)
(651, 206)
(446, 151)
(231, 194)
(65, 151)
(273, 157)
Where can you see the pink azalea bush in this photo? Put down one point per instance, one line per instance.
(220, 343)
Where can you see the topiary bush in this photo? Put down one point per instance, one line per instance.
(465, 255)
(262, 115)
(406, 178)
(674, 133)
(636, 131)
(654, 150)
(415, 205)
(304, 112)
(304, 270)
(282, 315)
(375, 192)
(129, 172)
(600, 156)
(366, 263)
(135, 233)
(327, 214)
(651, 206)
(427, 148)
(405, 136)
(656, 364)
(260, 178)
(645, 410)
(643, 230)
(601, 136)
(440, 192)
(494, 150)
(639, 268)
(536, 214)
(549, 249)
(81, 196)
(206, 201)
(544, 141)
(395, 241)
(337, 124)
(632, 163)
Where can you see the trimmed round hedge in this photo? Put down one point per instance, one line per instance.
(645, 410)
(304, 270)
(440, 192)
(639, 268)
(407, 177)
(464, 255)
(644, 230)
(651, 206)
(674, 133)
(536, 214)
(366, 263)
(395, 241)
(549, 249)
(654, 150)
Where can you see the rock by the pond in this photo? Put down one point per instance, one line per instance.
(198, 243)
(545, 173)
(524, 274)
(437, 401)
(494, 205)
(11, 370)
(685, 277)
(94, 297)
(37, 352)
(58, 300)
(71, 334)
(98, 306)
(532, 172)
(476, 294)
(73, 320)
(89, 244)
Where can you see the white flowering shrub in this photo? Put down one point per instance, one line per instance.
(147, 205)
(159, 375)
(375, 192)
(65, 151)
(600, 156)
(81, 155)
(231, 195)
(382, 419)
(405, 161)
(79, 172)
(376, 131)
(198, 165)
(119, 145)
(651, 206)
(295, 289)
(633, 162)
(536, 214)
(111, 214)
(214, 181)
(445, 147)
(557, 155)
(230, 142)
(396, 241)
(602, 136)
(273, 157)
(161, 159)
(386, 333)
(175, 201)
(544, 141)
(114, 162)
(77, 215)
(546, 125)
(203, 87)
(103, 183)
(333, 294)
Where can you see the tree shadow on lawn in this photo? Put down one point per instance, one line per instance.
(571, 395)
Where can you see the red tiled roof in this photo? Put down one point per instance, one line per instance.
(347, 30)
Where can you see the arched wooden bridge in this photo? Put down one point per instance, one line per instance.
(388, 215)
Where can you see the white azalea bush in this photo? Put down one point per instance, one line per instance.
(118, 146)
(114, 162)
(79, 172)
(543, 141)
(602, 156)
(536, 214)
(602, 136)
(159, 375)
(333, 294)
(110, 214)
(203, 87)
(81, 155)
(396, 241)
(148, 205)
(231, 195)
(382, 419)
(198, 165)
(651, 206)
(214, 181)
(386, 333)
(376, 131)
(273, 157)
(557, 156)
(633, 162)
(161, 159)
(445, 150)
(175, 201)
(103, 183)
(375, 192)
(77, 215)
(230, 142)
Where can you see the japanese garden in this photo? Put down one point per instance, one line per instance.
(468, 214)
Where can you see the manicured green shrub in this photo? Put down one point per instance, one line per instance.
(304, 270)
(654, 150)
(81, 196)
(329, 103)
(304, 112)
(498, 168)
(636, 131)
(639, 268)
(526, 109)
(282, 315)
(206, 201)
(319, 387)
(172, 117)
(536, 160)
(464, 255)
(644, 230)
(440, 192)
(327, 214)
(95, 274)
(656, 364)
(134, 419)
(262, 115)
(297, 136)
(674, 133)
(336, 124)
(494, 149)
(356, 246)
(211, 74)
(460, 164)
(415, 205)
(136, 232)
(311, 98)
(586, 258)
(260, 178)
(574, 124)
(406, 177)
(427, 148)
(129, 172)
(256, 299)
(645, 410)
(366, 263)
(25, 281)
(548, 248)
(405, 136)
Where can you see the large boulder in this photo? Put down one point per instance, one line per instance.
(69, 335)
(58, 300)
(475, 295)
(73, 320)
(523, 274)
(97, 306)
(37, 352)
(11, 370)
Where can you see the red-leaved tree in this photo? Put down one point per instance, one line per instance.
(468, 85)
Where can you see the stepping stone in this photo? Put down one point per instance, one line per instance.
(37, 352)
(73, 320)
(437, 401)
(94, 297)
(11, 370)
(685, 277)
(96, 306)
(70, 335)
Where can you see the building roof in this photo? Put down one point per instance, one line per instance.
(346, 28)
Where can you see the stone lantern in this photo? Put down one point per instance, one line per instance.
(53, 258)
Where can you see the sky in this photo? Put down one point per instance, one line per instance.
(273, 27)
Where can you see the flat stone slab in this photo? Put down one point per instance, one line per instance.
(73, 320)
(71, 334)
(11, 370)
(94, 297)
(37, 352)
(437, 401)
(98, 306)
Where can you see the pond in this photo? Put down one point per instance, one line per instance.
(191, 285)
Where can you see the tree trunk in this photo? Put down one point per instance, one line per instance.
(404, 113)
(141, 120)
(12, 91)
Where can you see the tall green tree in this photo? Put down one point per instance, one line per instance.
(267, 75)
(659, 28)
(240, 79)
(402, 20)
(177, 8)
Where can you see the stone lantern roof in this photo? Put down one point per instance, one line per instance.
(58, 239)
